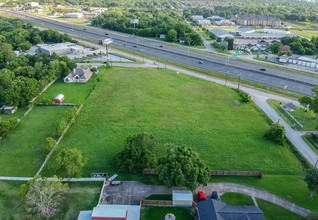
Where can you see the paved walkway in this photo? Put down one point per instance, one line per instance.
(257, 193)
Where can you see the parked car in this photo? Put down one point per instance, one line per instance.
(201, 195)
(215, 195)
(200, 62)
(263, 69)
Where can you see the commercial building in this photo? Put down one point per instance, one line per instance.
(221, 33)
(256, 20)
(61, 48)
(73, 15)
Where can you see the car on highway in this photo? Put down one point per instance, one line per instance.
(85, 29)
(263, 69)
(135, 46)
(106, 33)
(215, 195)
(161, 46)
(200, 62)
(201, 195)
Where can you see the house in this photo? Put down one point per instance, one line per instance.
(211, 209)
(224, 22)
(221, 33)
(59, 99)
(182, 40)
(197, 17)
(9, 110)
(204, 22)
(78, 75)
(264, 45)
(182, 198)
(32, 5)
(162, 36)
(111, 212)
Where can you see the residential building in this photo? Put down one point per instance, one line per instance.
(211, 209)
(197, 17)
(78, 75)
(256, 20)
(224, 22)
(204, 22)
(215, 17)
(221, 33)
(9, 109)
(285, 48)
(30, 5)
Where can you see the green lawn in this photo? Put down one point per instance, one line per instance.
(22, 151)
(73, 92)
(292, 188)
(158, 213)
(274, 212)
(82, 196)
(19, 114)
(237, 199)
(175, 108)
(304, 117)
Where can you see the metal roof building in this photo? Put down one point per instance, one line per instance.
(182, 198)
(221, 33)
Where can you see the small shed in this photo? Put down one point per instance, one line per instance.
(182, 198)
(9, 109)
(59, 99)
(289, 107)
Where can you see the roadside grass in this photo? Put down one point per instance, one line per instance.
(204, 35)
(175, 108)
(158, 213)
(73, 92)
(22, 151)
(237, 199)
(274, 212)
(290, 187)
(306, 118)
(309, 139)
(226, 28)
(81, 196)
(303, 29)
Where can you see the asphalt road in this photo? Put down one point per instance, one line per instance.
(274, 77)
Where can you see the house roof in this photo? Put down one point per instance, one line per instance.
(285, 48)
(109, 211)
(182, 195)
(211, 209)
(85, 215)
(219, 32)
(82, 73)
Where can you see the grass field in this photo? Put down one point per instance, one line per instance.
(175, 108)
(158, 213)
(237, 199)
(73, 92)
(80, 197)
(307, 119)
(274, 212)
(22, 151)
(290, 187)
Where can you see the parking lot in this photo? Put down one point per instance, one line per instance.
(131, 192)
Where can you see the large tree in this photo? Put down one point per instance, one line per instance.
(181, 166)
(43, 197)
(137, 154)
(172, 35)
(311, 179)
(70, 162)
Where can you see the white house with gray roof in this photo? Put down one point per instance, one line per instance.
(78, 75)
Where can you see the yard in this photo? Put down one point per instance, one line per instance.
(22, 151)
(82, 196)
(175, 108)
(270, 210)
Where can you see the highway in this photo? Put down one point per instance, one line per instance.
(275, 77)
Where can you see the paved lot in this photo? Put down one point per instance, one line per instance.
(132, 192)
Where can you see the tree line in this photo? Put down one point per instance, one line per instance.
(152, 23)
(23, 76)
(289, 10)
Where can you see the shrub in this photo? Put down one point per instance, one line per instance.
(276, 133)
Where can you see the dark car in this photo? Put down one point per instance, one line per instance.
(215, 195)
(135, 45)
(200, 62)
(201, 195)
(84, 29)
(263, 69)
(106, 34)
(161, 46)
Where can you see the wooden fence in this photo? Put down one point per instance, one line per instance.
(162, 203)
(218, 172)
(235, 173)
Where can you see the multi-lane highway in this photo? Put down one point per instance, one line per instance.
(279, 78)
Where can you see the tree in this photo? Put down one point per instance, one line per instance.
(305, 101)
(311, 179)
(137, 154)
(172, 35)
(275, 47)
(43, 197)
(182, 167)
(230, 41)
(70, 162)
(49, 143)
(276, 133)
(313, 105)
